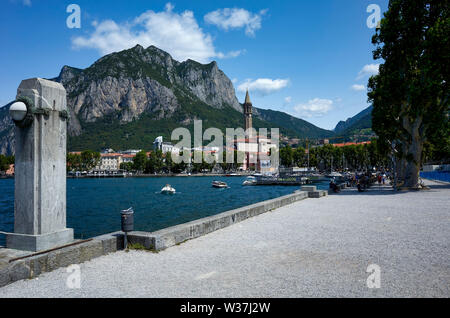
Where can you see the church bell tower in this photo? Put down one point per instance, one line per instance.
(247, 112)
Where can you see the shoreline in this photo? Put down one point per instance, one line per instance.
(160, 175)
(149, 176)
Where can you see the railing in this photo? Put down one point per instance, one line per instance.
(436, 175)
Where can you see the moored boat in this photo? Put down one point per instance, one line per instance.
(334, 174)
(219, 184)
(168, 189)
(249, 181)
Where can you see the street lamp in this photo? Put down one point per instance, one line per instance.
(21, 111)
(18, 111)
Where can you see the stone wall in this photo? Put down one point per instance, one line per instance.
(13, 269)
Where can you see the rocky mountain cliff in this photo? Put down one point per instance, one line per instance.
(126, 99)
(122, 86)
(126, 84)
(6, 131)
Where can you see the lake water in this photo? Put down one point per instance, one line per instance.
(93, 205)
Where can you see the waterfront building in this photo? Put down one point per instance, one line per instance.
(164, 147)
(214, 151)
(127, 158)
(157, 144)
(109, 162)
(131, 151)
(256, 151)
(351, 144)
(10, 171)
(107, 150)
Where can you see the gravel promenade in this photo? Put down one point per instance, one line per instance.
(312, 248)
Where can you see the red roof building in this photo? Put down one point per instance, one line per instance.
(351, 144)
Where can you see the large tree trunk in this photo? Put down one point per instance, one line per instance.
(401, 163)
(414, 152)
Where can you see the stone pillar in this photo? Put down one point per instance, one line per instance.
(40, 170)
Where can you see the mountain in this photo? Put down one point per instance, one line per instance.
(126, 99)
(6, 131)
(292, 126)
(362, 120)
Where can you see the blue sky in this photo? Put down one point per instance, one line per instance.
(311, 59)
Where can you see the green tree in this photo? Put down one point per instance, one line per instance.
(226, 166)
(324, 156)
(89, 159)
(140, 161)
(155, 162)
(10, 159)
(362, 157)
(287, 156)
(203, 165)
(410, 93)
(168, 162)
(4, 165)
(300, 157)
(73, 162)
(179, 167)
(127, 166)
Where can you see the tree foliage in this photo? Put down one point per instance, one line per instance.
(5, 161)
(89, 159)
(410, 93)
(329, 157)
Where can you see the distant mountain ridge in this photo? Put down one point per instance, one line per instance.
(362, 120)
(295, 126)
(126, 99)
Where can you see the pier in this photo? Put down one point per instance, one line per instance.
(284, 181)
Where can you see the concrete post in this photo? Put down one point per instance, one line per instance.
(40, 170)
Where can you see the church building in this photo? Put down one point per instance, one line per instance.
(256, 148)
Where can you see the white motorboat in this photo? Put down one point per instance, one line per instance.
(168, 189)
(249, 181)
(334, 174)
(219, 184)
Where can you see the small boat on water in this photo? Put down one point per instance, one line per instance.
(249, 181)
(168, 189)
(305, 180)
(219, 184)
(334, 174)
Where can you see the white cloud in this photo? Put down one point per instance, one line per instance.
(263, 86)
(368, 70)
(288, 100)
(230, 54)
(316, 107)
(177, 33)
(358, 87)
(235, 19)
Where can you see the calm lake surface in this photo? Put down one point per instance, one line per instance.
(93, 205)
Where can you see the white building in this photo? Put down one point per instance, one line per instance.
(109, 162)
(131, 151)
(257, 153)
(164, 147)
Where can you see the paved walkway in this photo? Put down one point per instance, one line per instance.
(316, 247)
